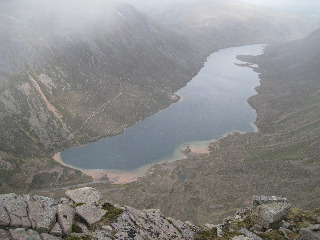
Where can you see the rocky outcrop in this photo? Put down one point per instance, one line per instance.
(270, 217)
(84, 215)
(270, 214)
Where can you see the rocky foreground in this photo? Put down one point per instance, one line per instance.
(83, 214)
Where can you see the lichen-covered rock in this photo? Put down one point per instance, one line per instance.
(90, 213)
(42, 213)
(150, 224)
(107, 222)
(4, 217)
(249, 234)
(101, 235)
(65, 215)
(262, 199)
(16, 208)
(5, 235)
(85, 195)
(308, 234)
(19, 234)
(34, 234)
(268, 214)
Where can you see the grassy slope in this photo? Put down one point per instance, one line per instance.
(282, 159)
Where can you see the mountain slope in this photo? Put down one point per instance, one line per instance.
(70, 75)
(281, 159)
(74, 72)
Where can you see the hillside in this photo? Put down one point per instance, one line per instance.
(281, 159)
(70, 75)
(73, 74)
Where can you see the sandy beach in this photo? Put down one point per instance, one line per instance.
(122, 177)
(115, 177)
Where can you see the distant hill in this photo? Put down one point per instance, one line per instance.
(213, 23)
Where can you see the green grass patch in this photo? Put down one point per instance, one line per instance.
(274, 234)
(207, 235)
(79, 204)
(304, 218)
(245, 223)
(112, 212)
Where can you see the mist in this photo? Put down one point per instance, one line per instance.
(290, 6)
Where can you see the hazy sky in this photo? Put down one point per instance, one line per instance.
(300, 6)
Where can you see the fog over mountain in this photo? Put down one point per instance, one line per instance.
(306, 6)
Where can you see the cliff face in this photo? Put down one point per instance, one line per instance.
(83, 214)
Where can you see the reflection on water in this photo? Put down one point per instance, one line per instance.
(214, 103)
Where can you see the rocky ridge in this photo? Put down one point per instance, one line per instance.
(83, 214)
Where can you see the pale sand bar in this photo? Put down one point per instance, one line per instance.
(122, 177)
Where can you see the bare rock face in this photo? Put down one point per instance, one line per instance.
(42, 213)
(16, 208)
(66, 215)
(56, 230)
(151, 225)
(85, 195)
(34, 234)
(46, 236)
(5, 235)
(4, 217)
(19, 233)
(90, 213)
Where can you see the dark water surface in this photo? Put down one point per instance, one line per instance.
(213, 103)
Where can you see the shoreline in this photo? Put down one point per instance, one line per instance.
(184, 151)
(128, 176)
(114, 176)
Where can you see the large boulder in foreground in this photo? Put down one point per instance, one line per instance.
(269, 215)
(85, 195)
(269, 210)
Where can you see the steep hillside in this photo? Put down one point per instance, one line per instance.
(70, 75)
(281, 159)
(74, 72)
